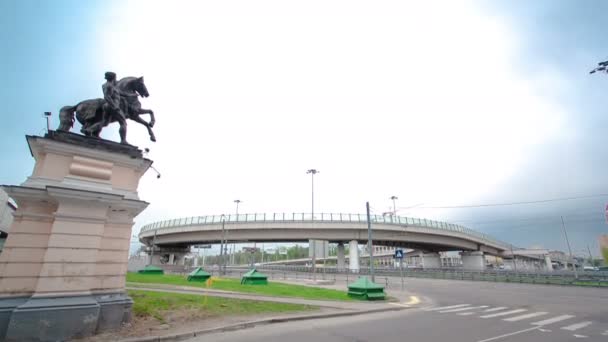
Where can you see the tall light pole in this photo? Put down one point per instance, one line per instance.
(312, 173)
(237, 201)
(394, 198)
(370, 243)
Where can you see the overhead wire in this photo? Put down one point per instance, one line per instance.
(507, 203)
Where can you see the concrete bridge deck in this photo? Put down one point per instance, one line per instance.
(405, 232)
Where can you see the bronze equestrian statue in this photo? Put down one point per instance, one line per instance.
(120, 103)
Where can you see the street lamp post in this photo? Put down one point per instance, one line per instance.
(394, 198)
(312, 173)
(237, 201)
(370, 243)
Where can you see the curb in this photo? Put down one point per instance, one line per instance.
(251, 324)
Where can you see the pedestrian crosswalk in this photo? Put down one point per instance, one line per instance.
(507, 314)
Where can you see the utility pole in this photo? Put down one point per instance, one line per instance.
(590, 256)
(569, 249)
(312, 173)
(394, 206)
(370, 243)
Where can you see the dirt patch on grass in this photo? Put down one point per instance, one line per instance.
(182, 321)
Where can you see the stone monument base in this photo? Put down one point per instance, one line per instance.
(63, 266)
(54, 318)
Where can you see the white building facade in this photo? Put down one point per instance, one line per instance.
(7, 208)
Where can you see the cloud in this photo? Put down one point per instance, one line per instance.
(427, 101)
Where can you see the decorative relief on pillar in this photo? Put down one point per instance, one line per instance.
(91, 168)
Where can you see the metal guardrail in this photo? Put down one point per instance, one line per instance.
(322, 217)
(591, 278)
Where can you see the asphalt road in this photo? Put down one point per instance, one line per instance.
(458, 311)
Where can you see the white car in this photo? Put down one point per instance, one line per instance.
(590, 268)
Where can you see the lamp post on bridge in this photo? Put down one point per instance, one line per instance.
(312, 173)
(394, 198)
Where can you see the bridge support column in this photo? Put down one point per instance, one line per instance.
(548, 263)
(353, 256)
(474, 261)
(171, 259)
(430, 260)
(340, 256)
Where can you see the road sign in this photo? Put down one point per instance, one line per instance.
(399, 254)
(250, 249)
(202, 246)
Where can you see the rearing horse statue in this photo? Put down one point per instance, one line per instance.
(95, 114)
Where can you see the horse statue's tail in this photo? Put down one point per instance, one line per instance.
(66, 118)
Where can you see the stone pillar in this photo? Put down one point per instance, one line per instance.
(171, 259)
(340, 256)
(473, 261)
(63, 268)
(353, 256)
(548, 263)
(430, 260)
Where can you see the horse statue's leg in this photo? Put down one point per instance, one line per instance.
(148, 111)
(138, 119)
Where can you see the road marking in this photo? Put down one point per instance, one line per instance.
(466, 313)
(577, 326)
(544, 330)
(399, 304)
(448, 307)
(503, 313)
(413, 301)
(506, 335)
(580, 336)
(553, 320)
(530, 315)
(495, 309)
(464, 309)
(605, 333)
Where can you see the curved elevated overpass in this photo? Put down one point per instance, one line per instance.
(422, 234)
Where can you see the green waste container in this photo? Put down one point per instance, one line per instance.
(151, 270)
(254, 277)
(364, 288)
(198, 275)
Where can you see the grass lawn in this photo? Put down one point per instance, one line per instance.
(230, 284)
(157, 304)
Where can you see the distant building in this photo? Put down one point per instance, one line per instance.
(7, 208)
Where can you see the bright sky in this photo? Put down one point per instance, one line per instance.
(440, 103)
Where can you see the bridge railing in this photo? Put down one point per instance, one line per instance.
(322, 217)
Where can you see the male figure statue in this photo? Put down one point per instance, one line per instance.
(111, 107)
